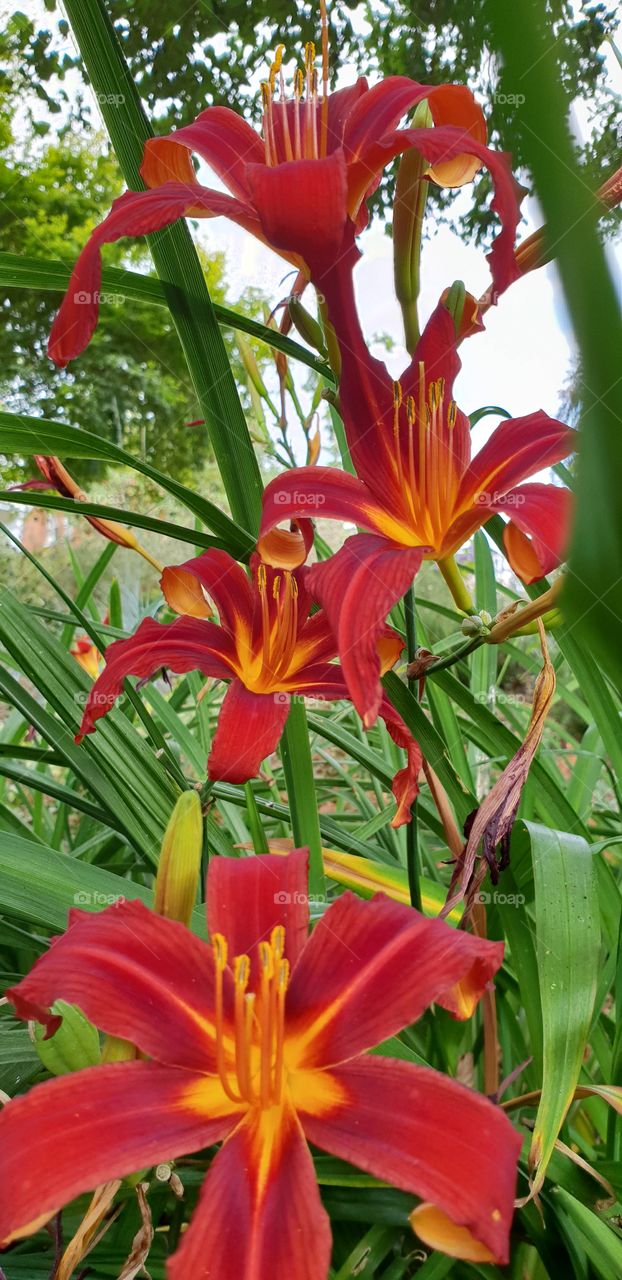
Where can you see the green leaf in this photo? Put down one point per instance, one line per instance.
(593, 594)
(568, 950)
(115, 764)
(27, 436)
(41, 885)
(43, 274)
(298, 770)
(603, 1246)
(135, 519)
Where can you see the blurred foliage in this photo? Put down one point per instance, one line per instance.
(130, 384)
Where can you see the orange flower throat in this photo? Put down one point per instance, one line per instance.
(425, 462)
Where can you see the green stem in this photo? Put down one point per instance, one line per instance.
(455, 582)
(412, 844)
(298, 770)
(258, 835)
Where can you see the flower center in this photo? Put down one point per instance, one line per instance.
(291, 128)
(251, 1068)
(427, 472)
(278, 598)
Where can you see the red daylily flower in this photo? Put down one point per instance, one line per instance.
(260, 1039)
(265, 644)
(416, 486)
(302, 187)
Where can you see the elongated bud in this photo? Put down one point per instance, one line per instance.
(180, 860)
(59, 478)
(411, 192)
(249, 360)
(73, 1046)
(308, 327)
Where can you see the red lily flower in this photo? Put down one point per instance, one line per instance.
(265, 644)
(260, 1039)
(302, 187)
(416, 486)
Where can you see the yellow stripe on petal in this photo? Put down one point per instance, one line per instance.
(29, 1229)
(206, 1097)
(438, 1231)
(319, 1093)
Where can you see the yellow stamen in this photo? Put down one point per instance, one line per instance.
(324, 129)
(283, 978)
(243, 1026)
(259, 1022)
(397, 404)
(266, 1020)
(219, 946)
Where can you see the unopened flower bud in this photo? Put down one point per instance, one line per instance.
(180, 860)
(73, 1046)
(477, 624)
(308, 327)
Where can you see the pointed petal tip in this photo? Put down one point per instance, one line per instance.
(438, 1231)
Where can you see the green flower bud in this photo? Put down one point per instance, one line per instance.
(75, 1045)
(180, 860)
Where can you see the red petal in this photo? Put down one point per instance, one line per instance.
(136, 975)
(516, 449)
(382, 109)
(442, 146)
(322, 491)
(74, 1133)
(187, 644)
(417, 1129)
(288, 548)
(454, 104)
(316, 644)
(371, 968)
(260, 1213)
(249, 729)
(537, 535)
(221, 578)
(133, 214)
(357, 587)
(341, 104)
(379, 111)
(248, 897)
(220, 136)
(365, 388)
(405, 785)
(302, 207)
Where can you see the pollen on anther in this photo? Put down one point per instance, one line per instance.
(277, 941)
(219, 946)
(397, 394)
(266, 958)
(241, 971)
